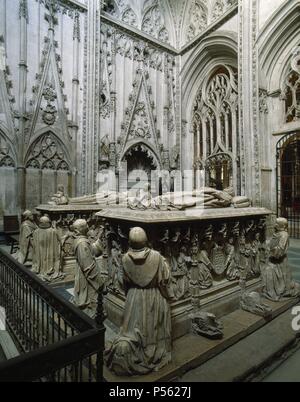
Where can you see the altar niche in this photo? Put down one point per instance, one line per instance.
(140, 165)
(208, 254)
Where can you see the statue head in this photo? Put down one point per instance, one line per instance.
(28, 215)
(138, 238)
(183, 250)
(230, 191)
(81, 227)
(281, 225)
(45, 222)
(61, 188)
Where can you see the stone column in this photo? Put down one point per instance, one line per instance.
(23, 15)
(248, 93)
(75, 87)
(92, 97)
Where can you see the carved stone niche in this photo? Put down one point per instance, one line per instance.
(208, 252)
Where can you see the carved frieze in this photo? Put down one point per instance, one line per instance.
(135, 49)
(221, 6)
(200, 256)
(197, 19)
(65, 7)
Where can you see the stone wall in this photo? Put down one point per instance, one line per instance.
(78, 95)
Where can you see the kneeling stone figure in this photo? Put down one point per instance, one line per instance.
(144, 342)
(277, 275)
(88, 280)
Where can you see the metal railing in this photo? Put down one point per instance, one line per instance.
(58, 342)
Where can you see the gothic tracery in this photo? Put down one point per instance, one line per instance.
(215, 128)
(47, 153)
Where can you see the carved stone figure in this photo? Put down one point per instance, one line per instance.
(47, 251)
(207, 198)
(104, 148)
(60, 198)
(24, 255)
(180, 276)
(205, 279)
(207, 325)
(88, 280)
(277, 275)
(115, 267)
(232, 271)
(144, 341)
(255, 258)
(205, 266)
(244, 260)
(252, 302)
(92, 233)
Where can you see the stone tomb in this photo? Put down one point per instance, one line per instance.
(209, 252)
(63, 217)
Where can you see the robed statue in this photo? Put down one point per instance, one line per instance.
(88, 280)
(46, 260)
(24, 255)
(277, 276)
(144, 341)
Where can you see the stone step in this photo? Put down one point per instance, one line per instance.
(192, 352)
(249, 357)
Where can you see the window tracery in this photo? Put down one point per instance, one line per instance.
(215, 126)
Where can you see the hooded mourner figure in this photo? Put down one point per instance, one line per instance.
(46, 251)
(28, 227)
(144, 341)
(88, 280)
(277, 275)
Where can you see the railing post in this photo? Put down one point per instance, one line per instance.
(99, 319)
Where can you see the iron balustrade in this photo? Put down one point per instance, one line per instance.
(57, 342)
(288, 181)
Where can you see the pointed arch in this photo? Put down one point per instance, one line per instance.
(278, 37)
(219, 48)
(147, 148)
(139, 121)
(47, 151)
(8, 155)
(213, 63)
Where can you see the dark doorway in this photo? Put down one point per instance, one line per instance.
(288, 181)
(140, 165)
